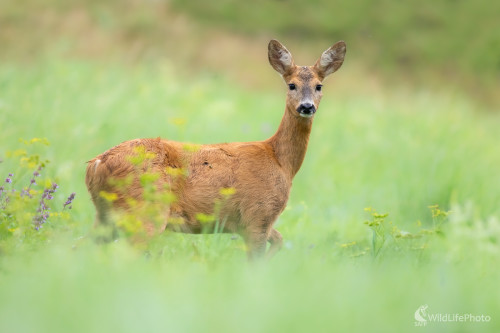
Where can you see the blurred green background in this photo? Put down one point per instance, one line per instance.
(410, 121)
(456, 41)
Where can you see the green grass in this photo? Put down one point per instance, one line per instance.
(398, 151)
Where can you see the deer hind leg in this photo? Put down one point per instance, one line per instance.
(102, 211)
(104, 229)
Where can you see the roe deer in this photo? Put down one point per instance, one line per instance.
(260, 173)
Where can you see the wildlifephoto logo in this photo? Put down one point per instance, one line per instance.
(422, 317)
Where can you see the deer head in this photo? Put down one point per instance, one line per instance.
(304, 82)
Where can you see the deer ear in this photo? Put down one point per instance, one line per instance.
(279, 57)
(331, 59)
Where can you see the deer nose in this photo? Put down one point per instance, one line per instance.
(306, 109)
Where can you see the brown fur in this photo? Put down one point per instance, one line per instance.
(260, 172)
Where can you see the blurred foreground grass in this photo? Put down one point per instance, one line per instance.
(397, 151)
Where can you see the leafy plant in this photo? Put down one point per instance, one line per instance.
(388, 237)
(25, 201)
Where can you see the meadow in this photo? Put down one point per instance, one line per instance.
(395, 207)
(335, 272)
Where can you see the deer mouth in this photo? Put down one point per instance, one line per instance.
(307, 115)
(306, 110)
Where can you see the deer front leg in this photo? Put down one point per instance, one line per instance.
(276, 241)
(256, 242)
(258, 230)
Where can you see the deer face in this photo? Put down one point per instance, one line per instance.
(304, 91)
(305, 82)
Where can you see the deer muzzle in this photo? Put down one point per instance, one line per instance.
(306, 110)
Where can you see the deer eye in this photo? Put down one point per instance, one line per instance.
(318, 87)
(291, 86)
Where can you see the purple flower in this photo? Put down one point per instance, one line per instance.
(8, 180)
(26, 192)
(69, 201)
(43, 210)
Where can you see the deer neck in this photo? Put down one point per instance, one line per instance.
(290, 141)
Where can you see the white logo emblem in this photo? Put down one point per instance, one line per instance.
(421, 315)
